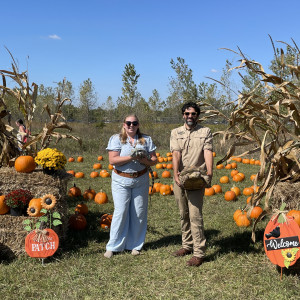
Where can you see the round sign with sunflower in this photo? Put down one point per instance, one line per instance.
(282, 240)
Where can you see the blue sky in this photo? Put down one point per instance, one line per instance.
(96, 39)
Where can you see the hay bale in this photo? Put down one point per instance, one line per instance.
(288, 193)
(12, 233)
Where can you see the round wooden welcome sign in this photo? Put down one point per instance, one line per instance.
(281, 241)
(41, 243)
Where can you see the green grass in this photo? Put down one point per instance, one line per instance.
(234, 268)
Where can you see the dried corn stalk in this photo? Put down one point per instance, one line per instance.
(269, 124)
(26, 94)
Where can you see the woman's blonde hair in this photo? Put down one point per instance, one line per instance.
(123, 134)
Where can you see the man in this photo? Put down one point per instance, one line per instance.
(191, 145)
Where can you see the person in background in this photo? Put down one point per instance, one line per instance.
(21, 135)
(191, 145)
(130, 187)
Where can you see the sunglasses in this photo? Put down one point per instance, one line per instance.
(134, 123)
(192, 113)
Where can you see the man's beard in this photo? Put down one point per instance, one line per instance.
(191, 122)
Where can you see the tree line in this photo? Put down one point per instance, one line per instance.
(182, 87)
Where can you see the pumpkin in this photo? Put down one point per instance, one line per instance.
(214, 154)
(228, 167)
(252, 161)
(217, 188)
(169, 166)
(233, 172)
(224, 179)
(25, 164)
(157, 154)
(100, 157)
(79, 174)
(72, 172)
(242, 220)
(89, 194)
(249, 199)
(294, 214)
(38, 248)
(241, 174)
(105, 221)
(237, 178)
(97, 166)
(209, 191)
(104, 174)
(71, 159)
(3, 207)
(236, 190)
(34, 207)
(257, 163)
(236, 214)
(77, 221)
(159, 166)
(110, 167)
(229, 196)
(165, 159)
(256, 212)
(238, 159)
(94, 174)
(248, 191)
(166, 174)
(151, 190)
(280, 251)
(234, 165)
(74, 191)
(169, 154)
(165, 189)
(155, 175)
(157, 186)
(246, 161)
(160, 159)
(252, 177)
(82, 208)
(80, 158)
(101, 198)
(220, 166)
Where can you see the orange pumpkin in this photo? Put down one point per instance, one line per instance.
(71, 159)
(294, 214)
(100, 157)
(166, 174)
(77, 221)
(82, 208)
(257, 163)
(220, 166)
(151, 190)
(74, 191)
(236, 190)
(101, 198)
(214, 154)
(248, 191)
(229, 196)
(79, 174)
(104, 174)
(105, 221)
(252, 161)
(217, 188)
(3, 207)
(228, 167)
(157, 154)
(40, 249)
(234, 165)
(89, 194)
(157, 186)
(256, 212)
(110, 167)
(159, 166)
(209, 191)
(237, 178)
(252, 177)
(241, 174)
(25, 164)
(233, 172)
(94, 174)
(169, 166)
(160, 159)
(242, 220)
(155, 175)
(97, 166)
(80, 158)
(246, 161)
(165, 189)
(72, 172)
(236, 214)
(224, 179)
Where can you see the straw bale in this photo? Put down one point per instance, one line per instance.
(288, 193)
(12, 233)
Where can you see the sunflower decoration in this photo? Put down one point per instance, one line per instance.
(48, 201)
(289, 255)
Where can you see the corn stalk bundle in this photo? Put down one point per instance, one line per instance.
(26, 95)
(268, 123)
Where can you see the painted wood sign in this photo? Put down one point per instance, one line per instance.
(41, 243)
(282, 241)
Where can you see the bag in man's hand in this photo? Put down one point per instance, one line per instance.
(194, 178)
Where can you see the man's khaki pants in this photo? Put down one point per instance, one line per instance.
(190, 207)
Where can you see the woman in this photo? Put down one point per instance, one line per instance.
(21, 135)
(130, 187)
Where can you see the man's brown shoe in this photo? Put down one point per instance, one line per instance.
(182, 252)
(195, 261)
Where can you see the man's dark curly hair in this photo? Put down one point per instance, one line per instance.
(190, 104)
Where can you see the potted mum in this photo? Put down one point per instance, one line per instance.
(17, 200)
(51, 160)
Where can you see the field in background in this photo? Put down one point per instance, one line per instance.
(235, 268)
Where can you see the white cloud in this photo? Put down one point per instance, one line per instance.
(54, 37)
(214, 71)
